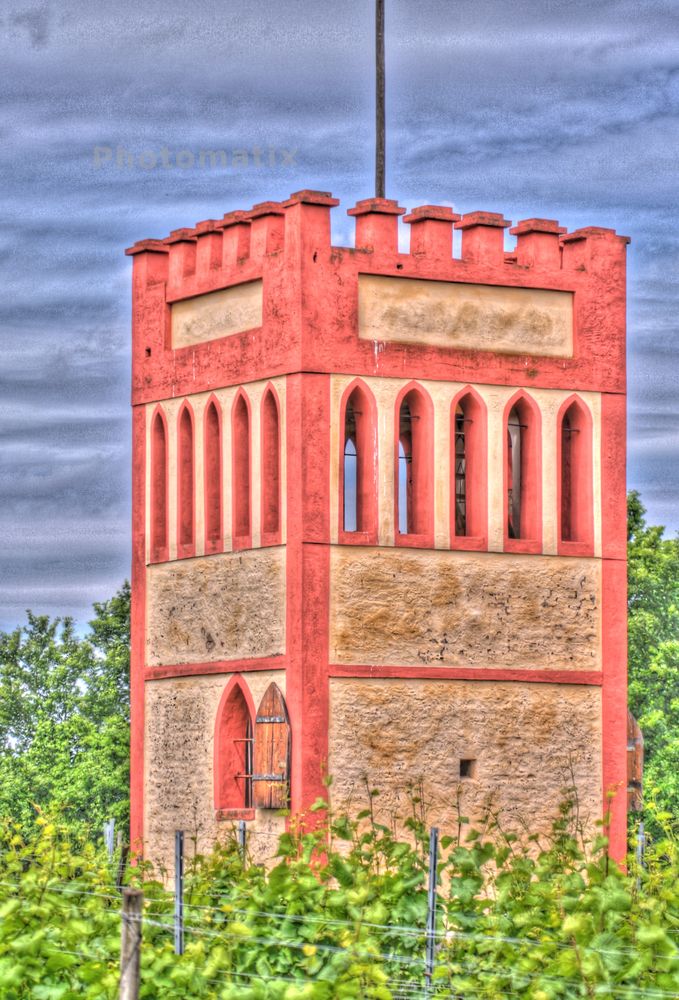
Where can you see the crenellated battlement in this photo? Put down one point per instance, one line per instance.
(215, 249)
(554, 296)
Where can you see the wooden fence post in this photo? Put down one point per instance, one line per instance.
(130, 943)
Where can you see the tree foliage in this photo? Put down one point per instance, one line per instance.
(653, 575)
(64, 716)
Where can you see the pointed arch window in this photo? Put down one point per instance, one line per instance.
(234, 749)
(185, 484)
(358, 466)
(523, 471)
(469, 503)
(460, 460)
(213, 477)
(574, 446)
(159, 474)
(414, 487)
(515, 483)
(242, 517)
(568, 449)
(271, 470)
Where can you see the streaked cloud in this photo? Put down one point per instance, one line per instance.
(563, 109)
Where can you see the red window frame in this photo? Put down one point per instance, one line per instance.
(530, 419)
(234, 733)
(213, 476)
(270, 435)
(476, 472)
(360, 398)
(186, 482)
(241, 462)
(159, 513)
(421, 480)
(575, 500)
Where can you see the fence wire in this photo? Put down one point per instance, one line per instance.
(489, 974)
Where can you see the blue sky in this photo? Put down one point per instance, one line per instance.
(553, 108)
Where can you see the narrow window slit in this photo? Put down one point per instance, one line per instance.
(414, 466)
(159, 519)
(460, 472)
(575, 475)
(271, 467)
(241, 470)
(358, 470)
(213, 478)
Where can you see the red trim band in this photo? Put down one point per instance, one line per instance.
(217, 667)
(427, 672)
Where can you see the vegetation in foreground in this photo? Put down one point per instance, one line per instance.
(557, 922)
(343, 915)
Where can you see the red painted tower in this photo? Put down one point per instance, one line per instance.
(379, 518)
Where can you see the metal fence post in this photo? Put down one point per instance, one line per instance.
(130, 943)
(431, 909)
(242, 836)
(109, 837)
(179, 892)
(641, 845)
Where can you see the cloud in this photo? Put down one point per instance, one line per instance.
(564, 109)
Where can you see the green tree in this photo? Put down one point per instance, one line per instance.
(653, 588)
(64, 716)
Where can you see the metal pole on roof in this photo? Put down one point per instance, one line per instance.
(379, 100)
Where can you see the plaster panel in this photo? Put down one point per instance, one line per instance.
(179, 767)
(219, 607)
(217, 314)
(477, 317)
(464, 609)
(529, 742)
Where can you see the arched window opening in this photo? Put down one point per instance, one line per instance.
(461, 484)
(469, 503)
(515, 434)
(522, 473)
(271, 467)
(185, 483)
(414, 488)
(158, 489)
(575, 475)
(359, 462)
(241, 470)
(213, 478)
(234, 752)
(567, 519)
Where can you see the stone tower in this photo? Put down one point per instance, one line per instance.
(379, 519)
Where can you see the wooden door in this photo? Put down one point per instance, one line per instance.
(271, 777)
